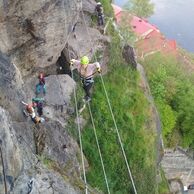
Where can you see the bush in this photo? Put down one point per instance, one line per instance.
(168, 118)
(173, 90)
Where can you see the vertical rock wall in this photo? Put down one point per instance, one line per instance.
(34, 32)
(11, 162)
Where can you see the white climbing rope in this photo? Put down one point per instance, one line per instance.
(110, 107)
(78, 122)
(118, 134)
(97, 142)
(80, 138)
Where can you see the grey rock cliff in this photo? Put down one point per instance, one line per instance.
(11, 85)
(41, 158)
(21, 165)
(11, 157)
(34, 33)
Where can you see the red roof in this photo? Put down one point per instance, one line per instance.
(141, 26)
(155, 41)
(172, 43)
(151, 38)
(117, 10)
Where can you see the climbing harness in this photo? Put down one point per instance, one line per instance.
(30, 186)
(87, 81)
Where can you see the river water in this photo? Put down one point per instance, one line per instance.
(175, 19)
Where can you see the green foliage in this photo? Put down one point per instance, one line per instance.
(168, 118)
(184, 103)
(157, 83)
(126, 29)
(173, 90)
(107, 8)
(141, 8)
(163, 187)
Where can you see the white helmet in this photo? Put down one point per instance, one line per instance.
(99, 3)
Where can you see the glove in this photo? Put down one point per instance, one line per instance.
(99, 70)
(72, 61)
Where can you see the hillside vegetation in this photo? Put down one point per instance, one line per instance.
(173, 90)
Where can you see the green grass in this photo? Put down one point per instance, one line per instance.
(108, 10)
(163, 187)
(131, 109)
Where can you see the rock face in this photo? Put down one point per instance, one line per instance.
(42, 158)
(11, 161)
(34, 32)
(21, 165)
(22, 140)
(57, 149)
(11, 84)
(58, 96)
(178, 167)
(129, 55)
(87, 42)
(43, 182)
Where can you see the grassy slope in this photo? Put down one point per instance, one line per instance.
(131, 111)
(163, 187)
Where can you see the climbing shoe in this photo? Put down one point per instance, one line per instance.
(87, 99)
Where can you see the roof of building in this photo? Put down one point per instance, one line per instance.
(141, 26)
(117, 9)
(150, 37)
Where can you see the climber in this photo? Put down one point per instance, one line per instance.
(38, 103)
(30, 112)
(86, 71)
(100, 14)
(41, 85)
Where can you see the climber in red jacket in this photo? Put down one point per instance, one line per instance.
(41, 85)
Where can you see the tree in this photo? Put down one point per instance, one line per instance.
(168, 118)
(126, 29)
(141, 8)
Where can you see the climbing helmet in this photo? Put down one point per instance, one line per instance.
(84, 60)
(29, 108)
